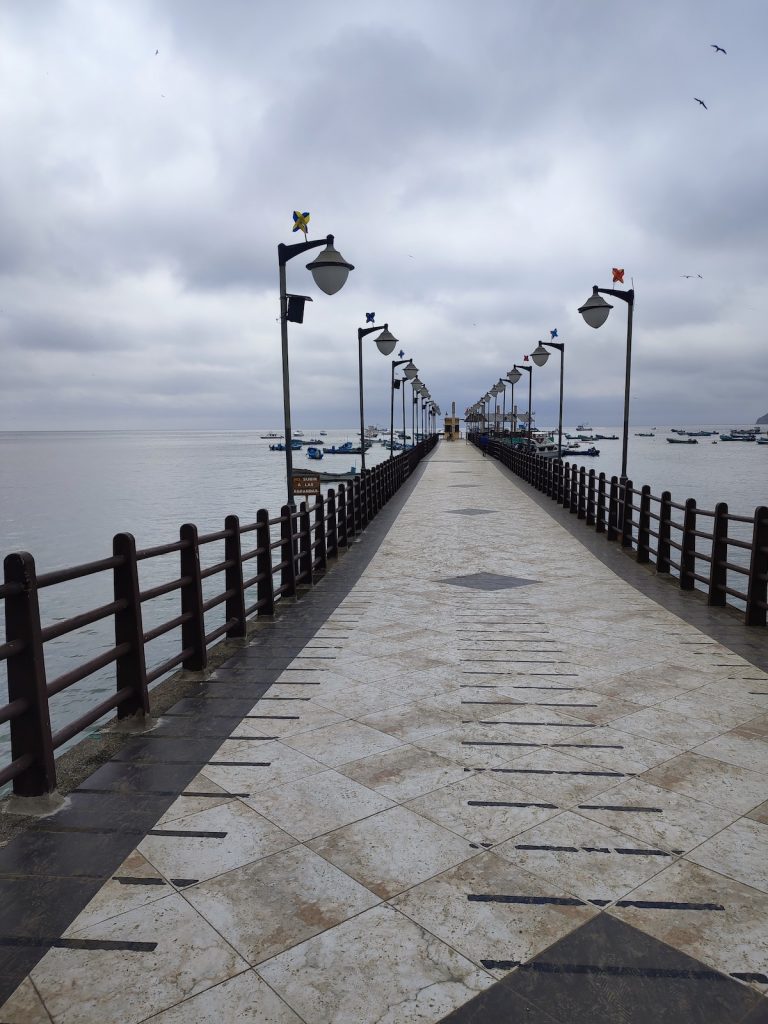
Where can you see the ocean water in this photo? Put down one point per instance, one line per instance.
(63, 495)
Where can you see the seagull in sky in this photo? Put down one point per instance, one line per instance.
(717, 49)
(688, 276)
(156, 52)
(701, 102)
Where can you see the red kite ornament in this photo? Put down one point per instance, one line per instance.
(618, 275)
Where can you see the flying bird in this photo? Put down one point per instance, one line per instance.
(692, 275)
(701, 102)
(717, 49)
(157, 51)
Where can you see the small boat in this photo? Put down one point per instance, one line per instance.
(645, 435)
(271, 437)
(590, 451)
(298, 433)
(584, 426)
(682, 440)
(314, 453)
(323, 433)
(342, 449)
(734, 436)
(604, 437)
(761, 440)
(313, 440)
(277, 447)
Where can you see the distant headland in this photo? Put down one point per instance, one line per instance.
(763, 419)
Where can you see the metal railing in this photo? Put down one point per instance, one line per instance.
(694, 544)
(286, 551)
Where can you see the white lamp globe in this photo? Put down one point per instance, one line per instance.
(330, 270)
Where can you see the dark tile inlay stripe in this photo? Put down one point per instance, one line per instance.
(90, 944)
(508, 803)
(572, 901)
(189, 834)
(620, 807)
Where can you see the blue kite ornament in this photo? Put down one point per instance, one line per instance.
(370, 318)
(300, 221)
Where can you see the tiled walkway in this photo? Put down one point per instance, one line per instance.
(498, 783)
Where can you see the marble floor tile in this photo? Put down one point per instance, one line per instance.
(338, 744)
(247, 836)
(24, 1007)
(85, 986)
(262, 909)
(664, 726)
(620, 751)
(471, 746)
(745, 691)
(359, 700)
(379, 968)
(760, 813)
(290, 720)
(245, 999)
(588, 859)
(714, 782)
(185, 805)
(483, 808)
(316, 804)
(739, 851)
(740, 747)
(122, 893)
(733, 939)
(559, 776)
(409, 722)
(404, 772)
(659, 817)
(270, 764)
(460, 906)
(713, 709)
(392, 850)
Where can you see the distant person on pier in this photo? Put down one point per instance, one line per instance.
(484, 439)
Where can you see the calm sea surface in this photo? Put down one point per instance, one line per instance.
(63, 495)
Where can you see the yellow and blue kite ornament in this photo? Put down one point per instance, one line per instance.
(300, 221)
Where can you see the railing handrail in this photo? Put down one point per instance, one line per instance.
(310, 534)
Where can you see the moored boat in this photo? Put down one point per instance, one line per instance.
(682, 440)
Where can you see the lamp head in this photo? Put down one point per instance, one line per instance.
(330, 270)
(411, 371)
(514, 375)
(595, 310)
(501, 385)
(386, 342)
(540, 355)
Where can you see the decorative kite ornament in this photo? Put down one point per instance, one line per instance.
(618, 275)
(300, 221)
(370, 318)
(553, 334)
(525, 359)
(400, 354)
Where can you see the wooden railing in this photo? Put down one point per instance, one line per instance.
(691, 543)
(286, 551)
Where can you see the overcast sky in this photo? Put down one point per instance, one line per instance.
(482, 164)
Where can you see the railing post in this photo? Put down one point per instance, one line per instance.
(600, 511)
(320, 541)
(193, 629)
(265, 588)
(665, 532)
(626, 514)
(287, 554)
(305, 545)
(573, 502)
(718, 574)
(582, 513)
(757, 589)
(130, 668)
(31, 731)
(233, 578)
(613, 509)
(566, 484)
(688, 554)
(644, 526)
(591, 498)
(332, 533)
(357, 490)
(341, 532)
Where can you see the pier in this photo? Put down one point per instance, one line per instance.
(488, 768)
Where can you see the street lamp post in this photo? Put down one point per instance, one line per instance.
(501, 386)
(330, 271)
(395, 363)
(513, 377)
(540, 356)
(529, 371)
(595, 312)
(386, 343)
